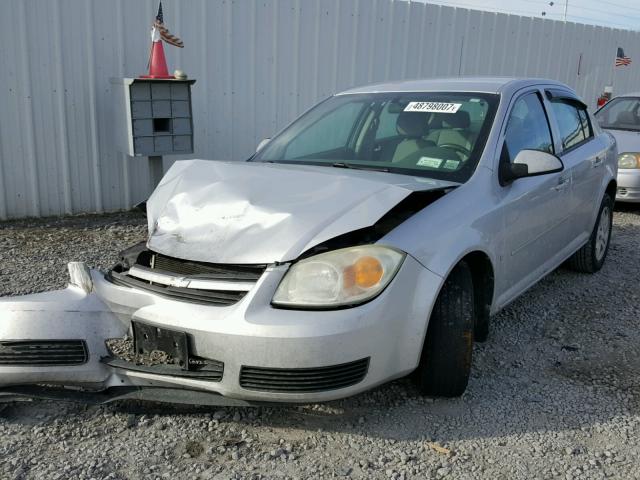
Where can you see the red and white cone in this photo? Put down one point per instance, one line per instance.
(157, 61)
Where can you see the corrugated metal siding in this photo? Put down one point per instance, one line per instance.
(258, 64)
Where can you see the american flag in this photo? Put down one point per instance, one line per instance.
(164, 31)
(621, 60)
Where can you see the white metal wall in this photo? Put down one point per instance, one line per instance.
(257, 63)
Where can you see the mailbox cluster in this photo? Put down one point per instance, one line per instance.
(157, 116)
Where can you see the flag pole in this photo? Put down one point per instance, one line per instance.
(150, 53)
(613, 67)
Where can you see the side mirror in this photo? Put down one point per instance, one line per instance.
(529, 163)
(262, 144)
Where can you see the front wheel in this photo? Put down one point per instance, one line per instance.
(445, 362)
(590, 258)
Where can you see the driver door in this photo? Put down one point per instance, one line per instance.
(534, 209)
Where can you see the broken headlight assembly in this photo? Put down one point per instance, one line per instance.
(338, 278)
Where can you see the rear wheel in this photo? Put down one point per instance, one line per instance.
(445, 362)
(590, 258)
(481, 331)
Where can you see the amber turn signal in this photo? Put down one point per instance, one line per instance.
(368, 272)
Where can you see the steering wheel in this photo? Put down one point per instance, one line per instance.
(457, 148)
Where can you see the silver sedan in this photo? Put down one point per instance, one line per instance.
(621, 118)
(371, 238)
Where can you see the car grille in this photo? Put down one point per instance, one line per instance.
(622, 191)
(210, 284)
(192, 295)
(207, 270)
(43, 352)
(302, 380)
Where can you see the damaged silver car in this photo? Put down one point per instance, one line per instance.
(372, 238)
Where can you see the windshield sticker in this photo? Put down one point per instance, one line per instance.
(429, 162)
(451, 164)
(436, 107)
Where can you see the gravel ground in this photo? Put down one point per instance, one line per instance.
(554, 393)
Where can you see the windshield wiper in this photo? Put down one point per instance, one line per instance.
(359, 167)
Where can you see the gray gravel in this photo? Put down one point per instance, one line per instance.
(555, 392)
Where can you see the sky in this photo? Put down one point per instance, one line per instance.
(610, 13)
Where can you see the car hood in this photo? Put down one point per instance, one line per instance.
(627, 141)
(252, 213)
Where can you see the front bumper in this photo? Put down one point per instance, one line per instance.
(388, 331)
(628, 185)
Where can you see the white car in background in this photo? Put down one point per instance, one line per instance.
(621, 117)
(371, 238)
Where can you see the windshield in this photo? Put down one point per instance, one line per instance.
(437, 135)
(621, 113)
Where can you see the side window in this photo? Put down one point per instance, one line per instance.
(331, 132)
(527, 127)
(586, 124)
(569, 123)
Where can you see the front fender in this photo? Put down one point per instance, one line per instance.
(440, 235)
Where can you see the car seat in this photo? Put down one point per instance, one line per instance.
(451, 128)
(413, 126)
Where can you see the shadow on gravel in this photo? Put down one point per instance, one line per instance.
(562, 357)
(627, 207)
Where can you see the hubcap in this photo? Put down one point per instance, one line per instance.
(602, 234)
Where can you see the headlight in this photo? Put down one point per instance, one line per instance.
(629, 160)
(341, 277)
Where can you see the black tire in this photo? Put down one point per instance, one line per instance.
(481, 330)
(445, 362)
(483, 293)
(591, 257)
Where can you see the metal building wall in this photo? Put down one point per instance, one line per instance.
(257, 63)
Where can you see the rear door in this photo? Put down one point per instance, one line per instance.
(583, 156)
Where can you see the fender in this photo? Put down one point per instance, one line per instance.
(456, 238)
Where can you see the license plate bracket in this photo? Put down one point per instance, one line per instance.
(149, 338)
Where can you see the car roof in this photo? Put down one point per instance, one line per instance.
(455, 84)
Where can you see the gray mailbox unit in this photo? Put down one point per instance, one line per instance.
(153, 117)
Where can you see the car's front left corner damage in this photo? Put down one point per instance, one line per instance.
(57, 337)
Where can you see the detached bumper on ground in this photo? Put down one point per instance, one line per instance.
(245, 352)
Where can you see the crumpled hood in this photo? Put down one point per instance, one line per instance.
(253, 213)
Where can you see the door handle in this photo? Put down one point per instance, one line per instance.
(597, 161)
